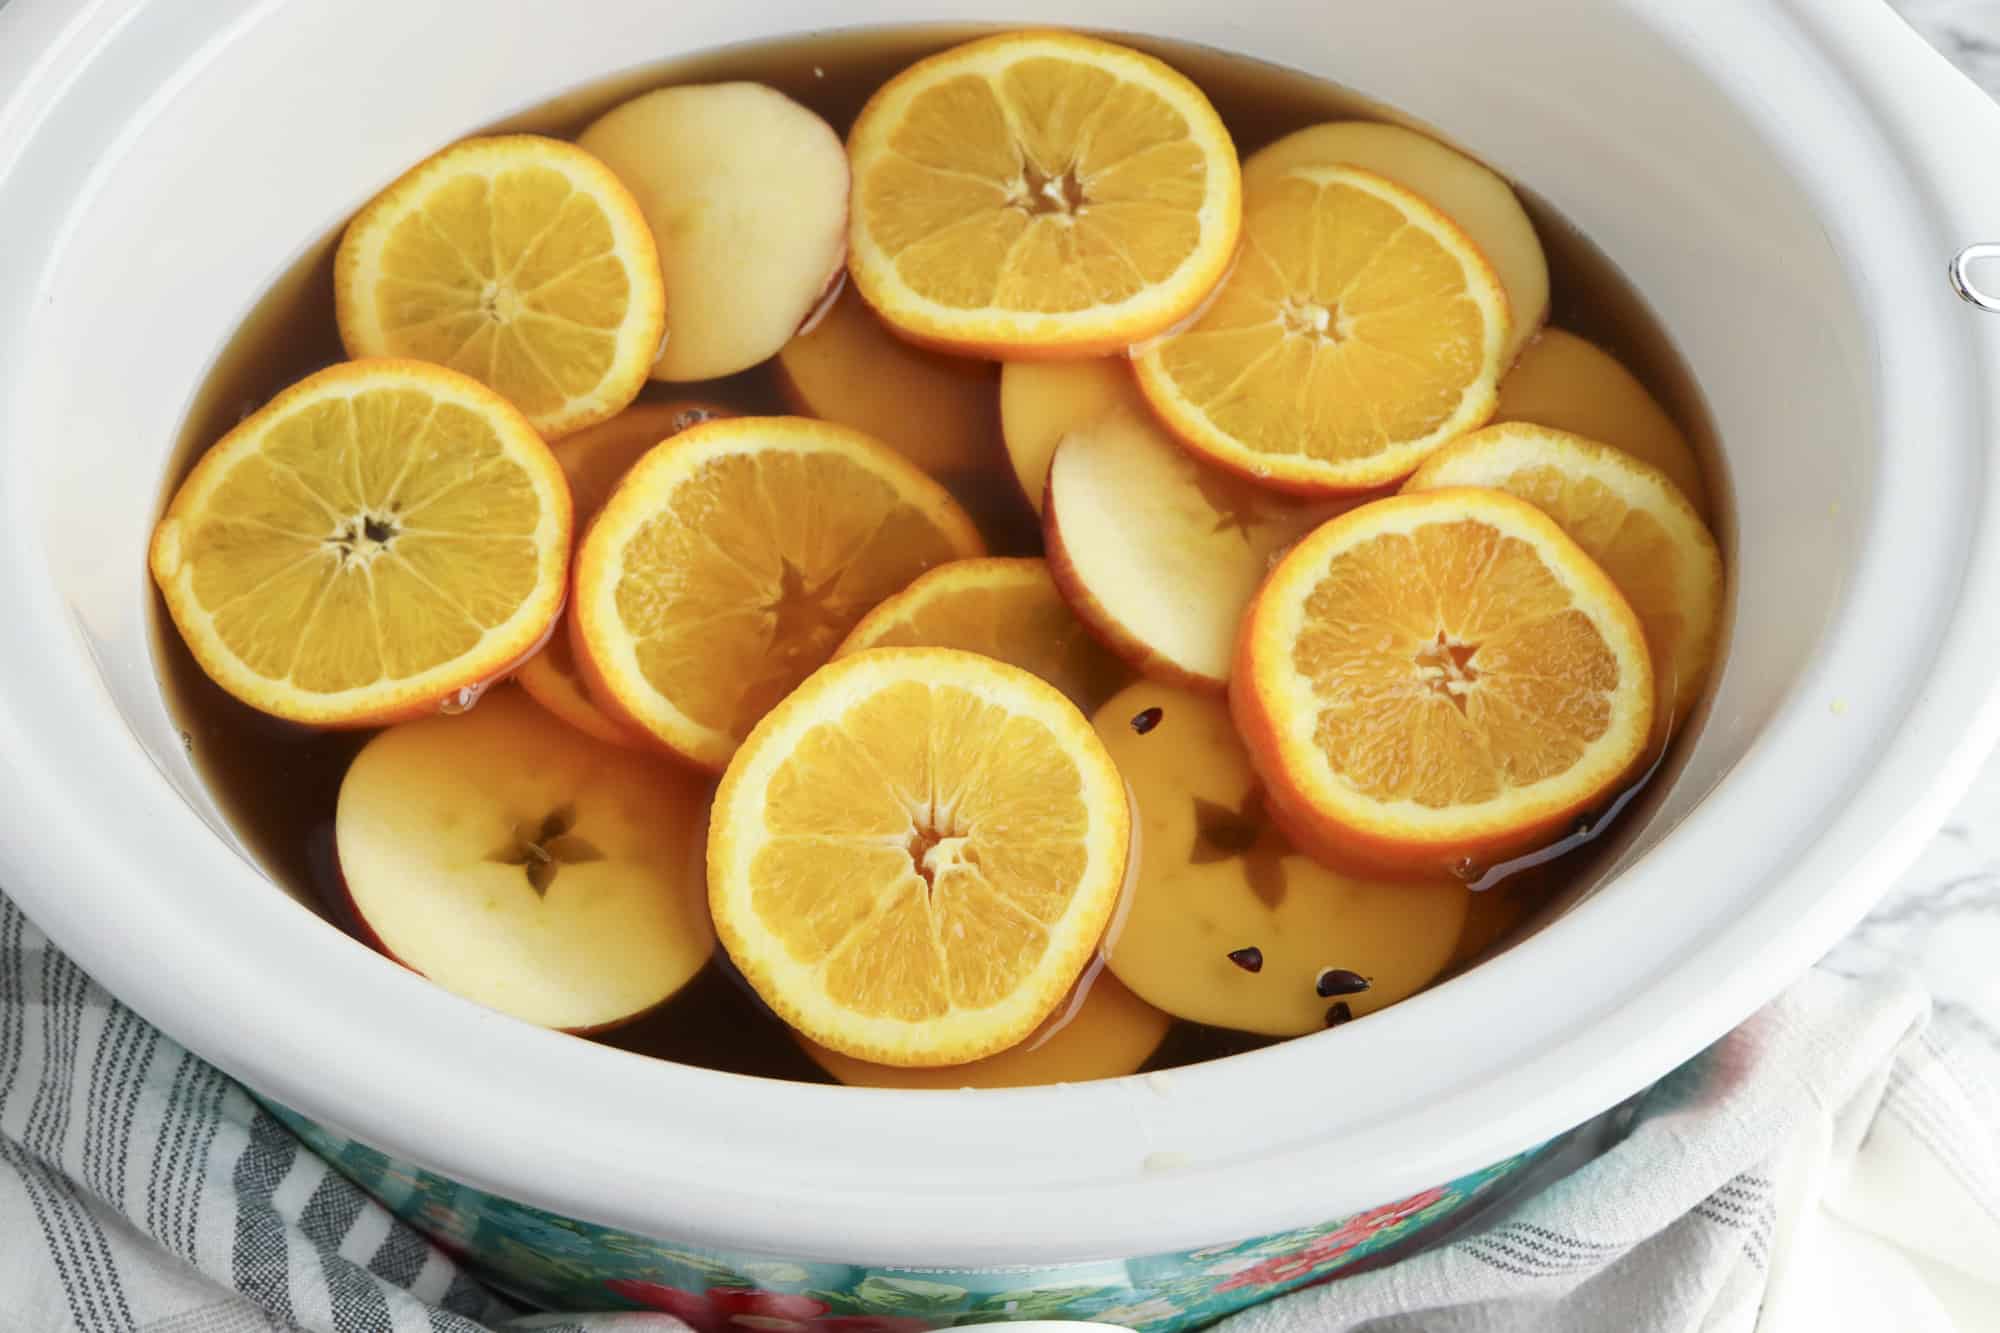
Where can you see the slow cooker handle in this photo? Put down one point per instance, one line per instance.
(1961, 275)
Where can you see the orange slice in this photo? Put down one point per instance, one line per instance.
(912, 857)
(1463, 188)
(595, 460)
(1438, 680)
(732, 560)
(380, 541)
(1040, 194)
(1359, 330)
(518, 260)
(1008, 610)
(1105, 1032)
(1224, 921)
(1626, 516)
(1565, 382)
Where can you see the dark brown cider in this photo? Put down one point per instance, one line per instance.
(278, 783)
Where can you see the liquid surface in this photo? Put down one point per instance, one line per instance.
(278, 783)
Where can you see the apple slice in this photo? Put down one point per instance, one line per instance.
(1006, 609)
(594, 460)
(1103, 1031)
(746, 193)
(1042, 401)
(1570, 384)
(1466, 190)
(1224, 921)
(937, 411)
(1158, 553)
(526, 866)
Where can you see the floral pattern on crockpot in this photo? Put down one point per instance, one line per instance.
(560, 1263)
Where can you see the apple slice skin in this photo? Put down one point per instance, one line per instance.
(747, 193)
(1147, 543)
(1042, 401)
(439, 830)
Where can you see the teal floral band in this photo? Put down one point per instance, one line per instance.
(562, 1264)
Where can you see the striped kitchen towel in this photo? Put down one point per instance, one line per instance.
(140, 1190)
(143, 1192)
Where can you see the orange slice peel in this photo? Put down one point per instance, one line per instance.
(912, 857)
(518, 260)
(382, 540)
(1040, 194)
(1436, 681)
(1358, 331)
(733, 559)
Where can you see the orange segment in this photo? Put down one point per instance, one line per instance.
(1565, 382)
(912, 857)
(1040, 194)
(1438, 680)
(518, 260)
(733, 559)
(1104, 1032)
(381, 538)
(1008, 610)
(1630, 519)
(1359, 330)
(595, 460)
